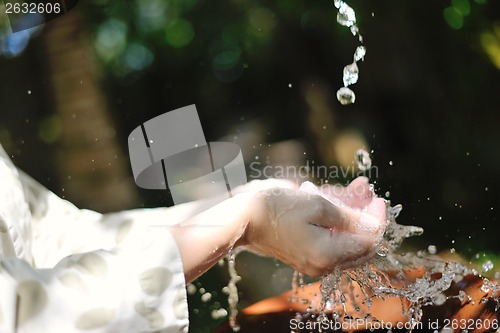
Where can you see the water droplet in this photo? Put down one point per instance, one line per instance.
(346, 96)
(462, 295)
(206, 297)
(354, 30)
(151, 141)
(432, 249)
(289, 85)
(351, 74)
(439, 299)
(485, 288)
(487, 266)
(191, 289)
(29, 92)
(363, 159)
(382, 251)
(360, 53)
(346, 15)
(391, 163)
(219, 314)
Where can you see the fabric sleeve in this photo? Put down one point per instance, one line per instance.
(137, 286)
(89, 272)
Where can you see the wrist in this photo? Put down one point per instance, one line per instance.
(248, 202)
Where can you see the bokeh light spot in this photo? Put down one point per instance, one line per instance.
(262, 20)
(151, 14)
(111, 39)
(138, 57)
(463, 6)
(453, 17)
(179, 33)
(227, 65)
(490, 42)
(50, 129)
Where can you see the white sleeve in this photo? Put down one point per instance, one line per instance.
(89, 272)
(136, 287)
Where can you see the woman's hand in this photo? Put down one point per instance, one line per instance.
(315, 230)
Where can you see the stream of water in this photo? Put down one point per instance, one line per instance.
(347, 17)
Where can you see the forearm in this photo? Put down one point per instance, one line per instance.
(207, 237)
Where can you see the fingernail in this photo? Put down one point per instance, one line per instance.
(369, 223)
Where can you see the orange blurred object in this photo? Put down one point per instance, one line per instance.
(476, 313)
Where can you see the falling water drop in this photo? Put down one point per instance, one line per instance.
(346, 96)
(363, 159)
(360, 53)
(351, 74)
(346, 15)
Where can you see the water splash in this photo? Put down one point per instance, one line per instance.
(386, 276)
(347, 17)
(487, 266)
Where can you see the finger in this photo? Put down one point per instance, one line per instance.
(357, 195)
(346, 220)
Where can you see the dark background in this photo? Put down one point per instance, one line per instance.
(427, 100)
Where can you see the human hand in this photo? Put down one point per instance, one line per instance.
(315, 230)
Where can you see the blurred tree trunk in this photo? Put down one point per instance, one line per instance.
(92, 167)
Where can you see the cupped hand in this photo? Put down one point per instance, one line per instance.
(317, 229)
